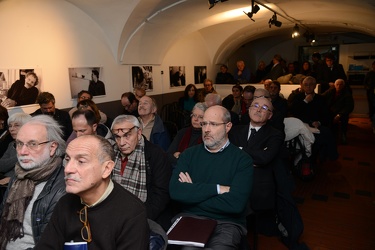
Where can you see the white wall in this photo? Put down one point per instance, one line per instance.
(54, 36)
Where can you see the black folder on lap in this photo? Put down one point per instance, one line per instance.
(191, 231)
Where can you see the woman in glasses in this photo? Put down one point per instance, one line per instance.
(189, 136)
(9, 159)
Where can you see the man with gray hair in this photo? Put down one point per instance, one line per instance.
(141, 167)
(152, 125)
(37, 185)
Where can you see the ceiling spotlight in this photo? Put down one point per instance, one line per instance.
(211, 3)
(295, 32)
(273, 21)
(250, 15)
(255, 9)
(310, 37)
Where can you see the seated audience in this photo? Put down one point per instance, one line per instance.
(331, 72)
(242, 73)
(306, 69)
(214, 179)
(139, 92)
(261, 72)
(207, 89)
(5, 137)
(311, 108)
(318, 67)
(46, 102)
(277, 118)
(224, 77)
(130, 104)
(340, 104)
(188, 137)
(85, 122)
(141, 167)
(277, 69)
(215, 99)
(152, 125)
(190, 98)
(9, 159)
(85, 95)
(37, 185)
(233, 102)
(263, 143)
(95, 209)
(278, 102)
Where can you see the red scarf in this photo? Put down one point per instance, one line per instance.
(184, 144)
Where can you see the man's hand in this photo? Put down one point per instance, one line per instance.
(176, 155)
(184, 177)
(224, 189)
(309, 98)
(316, 124)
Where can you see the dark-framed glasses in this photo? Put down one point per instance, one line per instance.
(212, 124)
(263, 108)
(126, 132)
(32, 145)
(85, 231)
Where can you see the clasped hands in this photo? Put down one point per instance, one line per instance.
(185, 177)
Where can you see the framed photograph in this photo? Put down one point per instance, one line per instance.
(86, 78)
(200, 74)
(142, 77)
(19, 87)
(177, 76)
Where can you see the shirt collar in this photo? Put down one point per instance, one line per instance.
(104, 196)
(221, 149)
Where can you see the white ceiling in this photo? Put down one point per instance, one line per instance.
(158, 24)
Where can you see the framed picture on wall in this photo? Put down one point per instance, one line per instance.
(19, 87)
(177, 76)
(142, 77)
(86, 78)
(200, 74)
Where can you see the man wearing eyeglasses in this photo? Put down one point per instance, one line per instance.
(96, 210)
(141, 167)
(37, 185)
(262, 142)
(213, 180)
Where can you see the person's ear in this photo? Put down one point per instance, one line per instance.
(94, 127)
(107, 168)
(53, 148)
(228, 127)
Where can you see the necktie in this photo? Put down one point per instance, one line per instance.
(123, 164)
(252, 134)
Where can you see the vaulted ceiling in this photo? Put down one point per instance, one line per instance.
(153, 26)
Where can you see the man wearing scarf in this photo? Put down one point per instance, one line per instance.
(141, 167)
(37, 185)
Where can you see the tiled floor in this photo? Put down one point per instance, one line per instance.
(338, 205)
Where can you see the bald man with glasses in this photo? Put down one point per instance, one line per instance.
(213, 180)
(262, 142)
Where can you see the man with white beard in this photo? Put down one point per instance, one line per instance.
(37, 185)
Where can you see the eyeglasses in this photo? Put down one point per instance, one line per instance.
(197, 116)
(126, 133)
(263, 108)
(85, 231)
(212, 124)
(32, 145)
